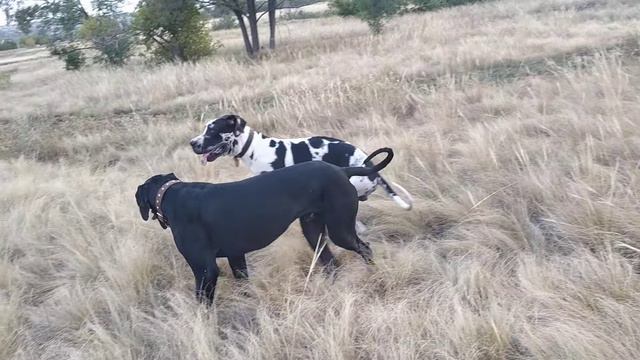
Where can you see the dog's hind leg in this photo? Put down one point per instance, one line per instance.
(238, 266)
(313, 227)
(352, 242)
(341, 224)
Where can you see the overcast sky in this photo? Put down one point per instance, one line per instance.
(129, 5)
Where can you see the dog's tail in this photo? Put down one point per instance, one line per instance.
(366, 171)
(408, 204)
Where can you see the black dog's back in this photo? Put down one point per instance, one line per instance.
(244, 212)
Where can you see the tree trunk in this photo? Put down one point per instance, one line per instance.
(177, 53)
(245, 35)
(253, 25)
(272, 24)
(7, 15)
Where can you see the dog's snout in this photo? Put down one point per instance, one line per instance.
(196, 145)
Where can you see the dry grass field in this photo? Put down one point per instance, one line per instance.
(516, 126)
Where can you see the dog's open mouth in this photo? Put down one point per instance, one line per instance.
(214, 153)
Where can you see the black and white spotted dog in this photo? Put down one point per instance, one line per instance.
(229, 135)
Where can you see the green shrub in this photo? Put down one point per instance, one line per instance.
(344, 7)
(8, 45)
(74, 60)
(374, 12)
(27, 41)
(41, 40)
(5, 80)
(174, 30)
(73, 57)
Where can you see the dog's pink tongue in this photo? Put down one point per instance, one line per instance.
(203, 159)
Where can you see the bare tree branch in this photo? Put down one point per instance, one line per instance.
(280, 7)
(231, 5)
(264, 12)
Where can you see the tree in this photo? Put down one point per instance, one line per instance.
(72, 29)
(272, 23)
(61, 18)
(252, 12)
(110, 36)
(7, 7)
(24, 18)
(174, 30)
(246, 8)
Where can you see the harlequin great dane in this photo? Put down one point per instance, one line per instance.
(230, 135)
(229, 220)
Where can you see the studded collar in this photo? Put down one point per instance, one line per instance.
(164, 222)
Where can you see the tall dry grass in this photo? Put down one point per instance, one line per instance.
(515, 126)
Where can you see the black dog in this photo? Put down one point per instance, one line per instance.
(232, 219)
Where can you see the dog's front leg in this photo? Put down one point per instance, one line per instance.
(206, 280)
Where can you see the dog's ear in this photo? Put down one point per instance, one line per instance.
(240, 124)
(143, 202)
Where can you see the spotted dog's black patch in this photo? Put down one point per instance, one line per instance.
(281, 150)
(211, 140)
(300, 152)
(339, 153)
(251, 156)
(235, 143)
(316, 142)
(272, 143)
